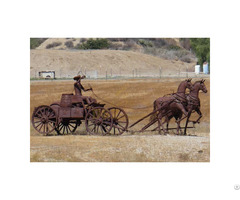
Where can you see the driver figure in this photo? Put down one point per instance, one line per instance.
(78, 87)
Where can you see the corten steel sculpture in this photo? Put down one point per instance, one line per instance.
(65, 116)
(176, 108)
(78, 87)
(193, 104)
(162, 107)
(194, 101)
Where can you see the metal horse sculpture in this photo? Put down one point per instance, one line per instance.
(193, 104)
(177, 105)
(194, 101)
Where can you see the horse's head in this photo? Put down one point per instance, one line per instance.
(185, 84)
(189, 84)
(202, 86)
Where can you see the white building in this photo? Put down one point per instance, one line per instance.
(47, 74)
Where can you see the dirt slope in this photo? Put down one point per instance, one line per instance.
(67, 63)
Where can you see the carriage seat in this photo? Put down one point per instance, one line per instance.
(78, 99)
(68, 99)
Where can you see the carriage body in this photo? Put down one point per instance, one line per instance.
(70, 107)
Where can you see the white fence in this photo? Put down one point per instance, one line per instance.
(125, 74)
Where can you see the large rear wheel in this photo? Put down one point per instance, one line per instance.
(120, 121)
(44, 119)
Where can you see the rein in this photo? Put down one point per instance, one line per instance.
(117, 105)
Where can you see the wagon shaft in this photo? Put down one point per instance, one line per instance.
(152, 113)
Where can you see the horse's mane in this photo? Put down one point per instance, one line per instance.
(197, 82)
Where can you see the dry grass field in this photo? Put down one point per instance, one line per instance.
(136, 97)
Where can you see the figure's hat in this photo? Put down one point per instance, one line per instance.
(79, 77)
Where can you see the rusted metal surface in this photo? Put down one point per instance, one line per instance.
(185, 105)
(65, 116)
(120, 120)
(177, 105)
(194, 101)
(191, 105)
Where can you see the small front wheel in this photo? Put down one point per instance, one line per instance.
(66, 127)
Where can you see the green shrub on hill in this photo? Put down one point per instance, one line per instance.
(69, 44)
(54, 44)
(35, 42)
(95, 44)
(145, 43)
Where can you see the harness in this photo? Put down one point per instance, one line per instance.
(193, 100)
(180, 99)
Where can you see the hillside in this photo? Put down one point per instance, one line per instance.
(61, 43)
(68, 63)
(166, 48)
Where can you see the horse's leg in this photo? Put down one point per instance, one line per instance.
(156, 107)
(160, 123)
(188, 116)
(167, 119)
(200, 116)
(178, 124)
(183, 110)
(179, 128)
(167, 124)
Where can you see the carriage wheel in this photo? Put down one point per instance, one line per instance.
(44, 119)
(120, 120)
(66, 127)
(98, 121)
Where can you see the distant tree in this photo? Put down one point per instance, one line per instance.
(201, 47)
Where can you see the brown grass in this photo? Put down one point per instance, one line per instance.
(145, 148)
(131, 93)
(148, 146)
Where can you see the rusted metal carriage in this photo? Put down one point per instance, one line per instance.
(66, 116)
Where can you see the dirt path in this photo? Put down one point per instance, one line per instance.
(130, 148)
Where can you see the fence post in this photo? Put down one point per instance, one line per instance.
(111, 72)
(133, 73)
(160, 71)
(106, 74)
